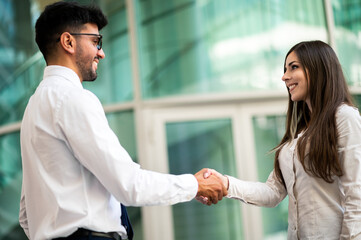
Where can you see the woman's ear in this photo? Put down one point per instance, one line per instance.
(67, 42)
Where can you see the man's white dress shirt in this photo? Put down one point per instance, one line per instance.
(75, 172)
(316, 209)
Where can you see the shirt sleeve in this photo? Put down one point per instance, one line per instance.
(268, 194)
(349, 131)
(84, 126)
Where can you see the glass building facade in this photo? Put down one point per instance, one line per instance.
(185, 84)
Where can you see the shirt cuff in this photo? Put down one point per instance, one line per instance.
(193, 188)
(233, 183)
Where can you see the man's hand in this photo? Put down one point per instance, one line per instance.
(224, 179)
(211, 187)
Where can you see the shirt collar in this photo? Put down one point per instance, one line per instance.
(67, 73)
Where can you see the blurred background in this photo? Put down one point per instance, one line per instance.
(185, 84)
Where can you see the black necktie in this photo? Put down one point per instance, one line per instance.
(126, 222)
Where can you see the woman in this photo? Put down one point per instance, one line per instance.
(318, 162)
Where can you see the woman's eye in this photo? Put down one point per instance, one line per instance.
(294, 66)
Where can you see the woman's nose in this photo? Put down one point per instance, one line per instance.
(285, 76)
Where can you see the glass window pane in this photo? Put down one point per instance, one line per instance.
(114, 82)
(357, 99)
(268, 132)
(191, 147)
(17, 37)
(192, 47)
(122, 123)
(19, 63)
(347, 15)
(10, 159)
(10, 186)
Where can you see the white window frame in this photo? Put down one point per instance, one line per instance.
(158, 221)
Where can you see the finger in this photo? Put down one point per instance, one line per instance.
(207, 173)
(214, 172)
(202, 199)
(220, 196)
(214, 200)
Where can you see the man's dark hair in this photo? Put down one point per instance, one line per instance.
(62, 17)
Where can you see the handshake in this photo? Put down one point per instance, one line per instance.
(212, 186)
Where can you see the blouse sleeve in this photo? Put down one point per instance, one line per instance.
(349, 130)
(268, 194)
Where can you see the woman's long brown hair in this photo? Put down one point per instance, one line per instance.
(327, 90)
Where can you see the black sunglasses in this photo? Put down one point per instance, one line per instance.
(100, 37)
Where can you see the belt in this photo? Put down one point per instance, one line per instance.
(81, 232)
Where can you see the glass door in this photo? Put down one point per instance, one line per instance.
(262, 127)
(191, 146)
(234, 139)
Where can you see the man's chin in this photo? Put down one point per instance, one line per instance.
(90, 78)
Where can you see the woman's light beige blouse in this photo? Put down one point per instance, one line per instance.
(317, 209)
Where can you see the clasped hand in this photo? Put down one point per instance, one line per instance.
(212, 186)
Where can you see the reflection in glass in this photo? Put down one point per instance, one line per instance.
(114, 82)
(122, 123)
(19, 66)
(193, 47)
(347, 15)
(10, 187)
(191, 147)
(268, 132)
(10, 159)
(357, 99)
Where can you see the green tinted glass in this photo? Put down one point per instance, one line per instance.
(347, 15)
(268, 132)
(191, 147)
(122, 123)
(193, 47)
(10, 187)
(357, 99)
(114, 82)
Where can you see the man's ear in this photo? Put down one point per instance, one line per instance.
(67, 42)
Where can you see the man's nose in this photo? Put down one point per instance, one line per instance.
(101, 53)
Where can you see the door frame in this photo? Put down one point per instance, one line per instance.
(158, 220)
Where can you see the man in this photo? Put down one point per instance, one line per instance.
(75, 172)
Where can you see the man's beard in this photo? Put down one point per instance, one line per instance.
(87, 73)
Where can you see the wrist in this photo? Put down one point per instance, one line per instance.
(225, 182)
